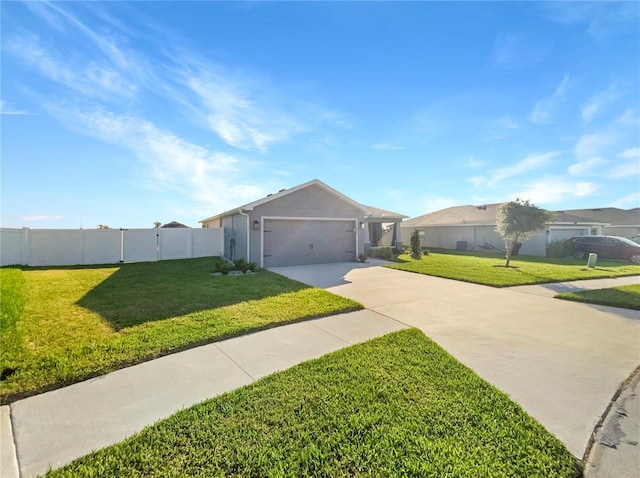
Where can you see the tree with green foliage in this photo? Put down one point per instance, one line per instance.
(416, 251)
(517, 220)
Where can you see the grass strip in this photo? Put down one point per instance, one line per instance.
(486, 269)
(86, 321)
(398, 405)
(626, 296)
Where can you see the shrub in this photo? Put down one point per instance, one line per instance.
(239, 262)
(561, 249)
(252, 266)
(362, 258)
(416, 251)
(381, 252)
(224, 267)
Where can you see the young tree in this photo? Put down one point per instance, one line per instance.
(518, 219)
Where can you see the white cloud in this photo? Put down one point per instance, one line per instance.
(210, 178)
(629, 201)
(555, 190)
(590, 145)
(93, 79)
(387, 147)
(7, 110)
(585, 167)
(41, 217)
(631, 153)
(513, 51)
(530, 163)
(547, 108)
(597, 102)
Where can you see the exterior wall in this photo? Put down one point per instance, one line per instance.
(446, 237)
(310, 202)
(66, 247)
(623, 231)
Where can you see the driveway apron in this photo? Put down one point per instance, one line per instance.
(561, 361)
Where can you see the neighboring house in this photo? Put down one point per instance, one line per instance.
(174, 225)
(617, 222)
(310, 223)
(473, 227)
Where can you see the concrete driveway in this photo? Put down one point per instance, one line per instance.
(562, 361)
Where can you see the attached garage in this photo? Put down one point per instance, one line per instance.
(289, 242)
(307, 224)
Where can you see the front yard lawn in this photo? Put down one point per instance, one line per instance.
(626, 296)
(398, 405)
(488, 269)
(62, 325)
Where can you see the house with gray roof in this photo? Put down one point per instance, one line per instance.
(311, 223)
(473, 227)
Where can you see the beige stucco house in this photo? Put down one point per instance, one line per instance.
(310, 223)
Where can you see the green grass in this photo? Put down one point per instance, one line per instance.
(627, 296)
(398, 405)
(488, 269)
(86, 321)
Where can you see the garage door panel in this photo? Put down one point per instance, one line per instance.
(293, 242)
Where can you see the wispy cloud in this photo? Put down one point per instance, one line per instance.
(530, 163)
(556, 190)
(627, 165)
(590, 145)
(547, 108)
(235, 114)
(7, 110)
(602, 19)
(595, 104)
(387, 147)
(629, 201)
(582, 168)
(40, 217)
(515, 50)
(90, 79)
(210, 178)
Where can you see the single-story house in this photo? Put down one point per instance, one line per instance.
(617, 222)
(473, 227)
(310, 223)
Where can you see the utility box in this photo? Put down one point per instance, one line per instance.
(593, 258)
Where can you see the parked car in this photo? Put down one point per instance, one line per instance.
(607, 247)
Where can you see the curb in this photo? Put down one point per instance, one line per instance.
(8, 456)
(591, 458)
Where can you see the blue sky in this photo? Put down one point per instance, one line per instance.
(127, 113)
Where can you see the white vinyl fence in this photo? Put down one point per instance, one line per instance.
(68, 247)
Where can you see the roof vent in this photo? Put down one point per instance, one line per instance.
(269, 194)
(281, 190)
(483, 208)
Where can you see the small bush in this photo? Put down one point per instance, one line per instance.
(362, 258)
(253, 266)
(381, 252)
(561, 249)
(239, 263)
(224, 268)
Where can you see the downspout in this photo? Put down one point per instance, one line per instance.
(248, 231)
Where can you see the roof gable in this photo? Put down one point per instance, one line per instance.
(285, 192)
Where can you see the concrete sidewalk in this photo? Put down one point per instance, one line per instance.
(550, 290)
(52, 429)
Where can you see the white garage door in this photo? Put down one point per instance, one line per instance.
(562, 234)
(295, 242)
